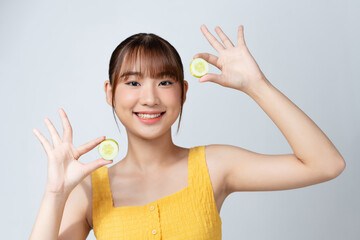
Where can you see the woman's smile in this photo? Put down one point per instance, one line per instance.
(149, 118)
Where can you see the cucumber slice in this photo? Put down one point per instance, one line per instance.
(199, 67)
(108, 149)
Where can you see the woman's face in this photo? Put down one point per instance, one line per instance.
(140, 94)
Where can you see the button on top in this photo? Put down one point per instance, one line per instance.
(154, 231)
(152, 208)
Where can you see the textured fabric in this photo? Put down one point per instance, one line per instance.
(190, 213)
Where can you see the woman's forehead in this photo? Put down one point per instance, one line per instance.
(141, 64)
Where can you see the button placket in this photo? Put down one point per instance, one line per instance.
(155, 220)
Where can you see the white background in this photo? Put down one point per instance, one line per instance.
(56, 54)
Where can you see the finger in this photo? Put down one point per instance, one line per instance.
(44, 142)
(92, 166)
(53, 132)
(223, 37)
(208, 57)
(211, 77)
(67, 129)
(212, 40)
(90, 145)
(241, 39)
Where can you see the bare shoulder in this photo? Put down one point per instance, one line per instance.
(213, 160)
(217, 174)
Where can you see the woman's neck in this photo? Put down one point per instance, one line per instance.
(147, 155)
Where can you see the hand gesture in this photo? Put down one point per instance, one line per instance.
(64, 169)
(239, 69)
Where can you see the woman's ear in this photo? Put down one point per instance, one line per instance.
(186, 86)
(108, 89)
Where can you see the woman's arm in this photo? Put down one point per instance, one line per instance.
(306, 139)
(63, 185)
(315, 158)
(49, 217)
(63, 217)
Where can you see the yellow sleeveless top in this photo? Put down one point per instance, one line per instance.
(190, 213)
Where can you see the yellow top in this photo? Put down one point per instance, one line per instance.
(190, 213)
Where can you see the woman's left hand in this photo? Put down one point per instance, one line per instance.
(239, 69)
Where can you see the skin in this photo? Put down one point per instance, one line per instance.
(65, 211)
(146, 94)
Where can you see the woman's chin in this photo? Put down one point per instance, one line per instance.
(150, 134)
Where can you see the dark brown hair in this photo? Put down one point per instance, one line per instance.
(154, 54)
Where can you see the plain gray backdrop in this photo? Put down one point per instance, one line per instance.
(56, 53)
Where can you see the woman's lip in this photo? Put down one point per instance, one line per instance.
(149, 112)
(150, 120)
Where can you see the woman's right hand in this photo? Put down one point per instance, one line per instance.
(64, 169)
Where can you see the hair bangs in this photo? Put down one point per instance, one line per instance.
(149, 61)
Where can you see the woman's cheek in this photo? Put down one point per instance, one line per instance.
(126, 97)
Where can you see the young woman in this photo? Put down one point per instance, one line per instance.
(160, 190)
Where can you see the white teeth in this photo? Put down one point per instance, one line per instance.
(148, 116)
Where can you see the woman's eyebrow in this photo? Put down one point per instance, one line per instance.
(165, 74)
(130, 73)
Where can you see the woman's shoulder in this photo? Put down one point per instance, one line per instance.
(216, 155)
(213, 156)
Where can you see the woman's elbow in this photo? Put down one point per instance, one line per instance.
(336, 171)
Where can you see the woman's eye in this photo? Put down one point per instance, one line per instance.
(130, 83)
(166, 82)
(163, 83)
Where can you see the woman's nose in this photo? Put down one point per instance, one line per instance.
(149, 95)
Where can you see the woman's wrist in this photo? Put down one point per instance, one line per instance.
(56, 195)
(257, 87)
